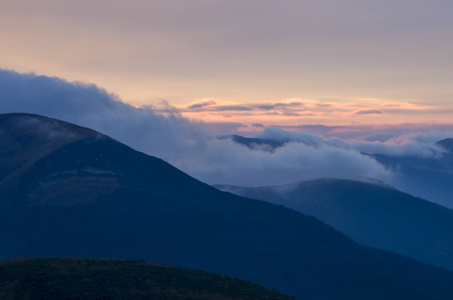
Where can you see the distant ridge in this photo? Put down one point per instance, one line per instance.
(253, 143)
(446, 143)
(425, 177)
(372, 214)
(91, 196)
(428, 177)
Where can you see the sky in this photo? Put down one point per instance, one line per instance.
(339, 79)
(249, 64)
(197, 149)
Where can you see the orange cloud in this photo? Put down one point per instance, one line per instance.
(298, 111)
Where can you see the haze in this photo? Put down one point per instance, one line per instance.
(169, 77)
(265, 62)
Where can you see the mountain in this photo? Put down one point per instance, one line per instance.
(254, 143)
(68, 191)
(428, 178)
(91, 278)
(425, 177)
(373, 215)
(447, 144)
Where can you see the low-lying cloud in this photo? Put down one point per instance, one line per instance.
(189, 145)
(414, 144)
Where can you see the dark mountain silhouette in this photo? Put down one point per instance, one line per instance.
(69, 191)
(96, 278)
(373, 215)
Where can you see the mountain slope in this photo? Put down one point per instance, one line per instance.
(447, 144)
(91, 278)
(93, 196)
(24, 140)
(372, 215)
(428, 178)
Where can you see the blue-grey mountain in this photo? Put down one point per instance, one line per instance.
(69, 191)
(371, 214)
(427, 177)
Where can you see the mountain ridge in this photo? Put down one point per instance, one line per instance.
(427, 177)
(138, 207)
(373, 215)
(21, 128)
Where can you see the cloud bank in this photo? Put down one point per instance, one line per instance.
(414, 144)
(189, 145)
(315, 111)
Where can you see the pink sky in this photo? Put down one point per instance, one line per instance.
(249, 61)
(308, 111)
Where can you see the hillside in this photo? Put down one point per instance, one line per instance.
(91, 196)
(372, 215)
(96, 278)
(428, 178)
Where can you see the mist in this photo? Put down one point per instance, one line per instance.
(190, 145)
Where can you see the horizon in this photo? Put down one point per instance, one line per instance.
(168, 78)
(251, 64)
(310, 151)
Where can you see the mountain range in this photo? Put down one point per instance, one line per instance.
(374, 215)
(68, 191)
(426, 177)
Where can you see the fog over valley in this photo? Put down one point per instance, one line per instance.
(203, 153)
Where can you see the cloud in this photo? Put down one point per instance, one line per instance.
(312, 128)
(190, 145)
(380, 137)
(291, 111)
(213, 106)
(216, 129)
(197, 49)
(400, 146)
(280, 105)
(281, 135)
(375, 132)
(266, 107)
(294, 114)
(369, 112)
(236, 164)
(412, 144)
(233, 108)
(202, 104)
(90, 106)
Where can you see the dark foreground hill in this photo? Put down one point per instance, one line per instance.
(373, 215)
(96, 278)
(69, 191)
